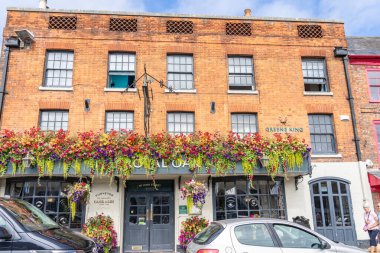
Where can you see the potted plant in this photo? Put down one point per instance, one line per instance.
(190, 228)
(100, 228)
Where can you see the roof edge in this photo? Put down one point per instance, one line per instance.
(121, 13)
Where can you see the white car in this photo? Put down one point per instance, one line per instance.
(263, 236)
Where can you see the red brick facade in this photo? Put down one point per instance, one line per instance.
(274, 45)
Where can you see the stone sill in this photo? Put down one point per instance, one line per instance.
(327, 156)
(248, 92)
(44, 88)
(120, 90)
(311, 93)
(181, 91)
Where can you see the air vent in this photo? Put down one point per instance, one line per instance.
(239, 29)
(123, 25)
(63, 22)
(310, 31)
(183, 27)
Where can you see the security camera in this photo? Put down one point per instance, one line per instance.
(26, 37)
(368, 163)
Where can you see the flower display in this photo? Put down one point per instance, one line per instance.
(195, 193)
(77, 193)
(190, 228)
(100, 228)
(117, 153)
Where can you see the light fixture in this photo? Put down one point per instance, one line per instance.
(212, 107)
(264, 160)
(87, 104)
(26, 37)
(27, 160)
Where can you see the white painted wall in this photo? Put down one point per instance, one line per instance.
(2, 187)
(299, 202)
(103, 191)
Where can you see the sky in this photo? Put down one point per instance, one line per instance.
(360, 16)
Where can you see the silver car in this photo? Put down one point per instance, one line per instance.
(263, 236)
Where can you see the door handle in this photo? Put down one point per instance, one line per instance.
(147, 215)
(151, 211)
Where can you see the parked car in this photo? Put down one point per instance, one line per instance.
(25, 228)
(264, 236)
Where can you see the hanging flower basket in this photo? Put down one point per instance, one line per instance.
(101, 229)
(195, 194)
(190, 228)
(78, 193)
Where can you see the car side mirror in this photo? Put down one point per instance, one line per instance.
(4, 234)
(324, 244)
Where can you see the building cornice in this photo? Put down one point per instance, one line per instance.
(147, 14)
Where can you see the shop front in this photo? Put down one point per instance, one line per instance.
(142, 193)
(148, 214)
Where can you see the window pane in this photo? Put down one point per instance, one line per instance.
(54, 120)
(254, 235)
(180, 123)
(314, 72)
(240, 71)
(321, 134)
(118, 121)
(243, 124)
(292, 237)
(58, 64)
(180, 71)
(49, 197)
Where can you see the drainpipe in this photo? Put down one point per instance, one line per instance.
(12, 42)
(343, 52)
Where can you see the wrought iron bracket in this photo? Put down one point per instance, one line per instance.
(297, 181)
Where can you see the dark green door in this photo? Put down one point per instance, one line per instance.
(149, 219)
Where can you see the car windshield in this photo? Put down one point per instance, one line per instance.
(208, 234)
(29, 216)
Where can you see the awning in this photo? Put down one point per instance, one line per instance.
(374, 180)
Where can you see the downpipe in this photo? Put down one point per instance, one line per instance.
(341, 52)
(4, 81)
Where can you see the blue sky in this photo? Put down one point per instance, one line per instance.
(360, 16)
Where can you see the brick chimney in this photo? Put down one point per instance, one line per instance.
(247, 12)
(43, 4)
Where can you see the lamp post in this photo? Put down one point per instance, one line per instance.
(27, 160)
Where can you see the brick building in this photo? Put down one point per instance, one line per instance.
(364, 55)
(241, 74)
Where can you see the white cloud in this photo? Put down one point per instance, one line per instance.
(360, 17)
(283, 9)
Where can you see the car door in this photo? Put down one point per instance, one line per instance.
(6, 245)
(296, 240)
(253, 237)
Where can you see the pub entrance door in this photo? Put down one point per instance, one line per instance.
(149, 216)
